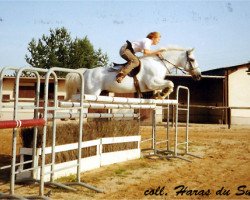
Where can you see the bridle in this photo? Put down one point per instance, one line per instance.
(189, 61)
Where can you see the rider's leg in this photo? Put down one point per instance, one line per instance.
(133, 62)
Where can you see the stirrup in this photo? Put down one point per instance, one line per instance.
(120, 77)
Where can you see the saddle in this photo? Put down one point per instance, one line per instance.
(133, 73)
(117, 67)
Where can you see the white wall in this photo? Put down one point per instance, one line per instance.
(239, 95)
(7, 108)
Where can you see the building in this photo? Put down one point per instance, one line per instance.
(237, 92)
(27, 93)
(205, 95)
(222, 95)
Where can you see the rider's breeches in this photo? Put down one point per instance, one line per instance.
(133, 61)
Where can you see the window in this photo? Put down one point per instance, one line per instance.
(27, 90)
(6, 98)
(51, 91)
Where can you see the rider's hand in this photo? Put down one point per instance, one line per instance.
(159, 55)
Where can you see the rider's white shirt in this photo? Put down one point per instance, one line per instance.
(139, 46)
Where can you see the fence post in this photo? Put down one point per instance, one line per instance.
(229, 111)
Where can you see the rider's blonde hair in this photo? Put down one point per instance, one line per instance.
(153, 35)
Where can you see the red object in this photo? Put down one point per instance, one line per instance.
(21, 123)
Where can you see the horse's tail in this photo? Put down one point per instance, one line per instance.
(73, 83)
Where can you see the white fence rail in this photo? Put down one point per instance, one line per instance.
(95, 161)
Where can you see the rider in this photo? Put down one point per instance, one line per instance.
(128, 51)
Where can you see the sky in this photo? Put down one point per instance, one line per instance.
(218, 30)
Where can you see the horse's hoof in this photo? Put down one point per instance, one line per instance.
(157, 96)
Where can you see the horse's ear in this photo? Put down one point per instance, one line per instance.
(190, 50)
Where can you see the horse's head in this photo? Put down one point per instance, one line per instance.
(182, 59)
(191, 66)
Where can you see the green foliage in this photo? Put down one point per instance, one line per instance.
(83, 54)
(59, 50)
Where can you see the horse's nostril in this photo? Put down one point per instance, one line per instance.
(197, 77)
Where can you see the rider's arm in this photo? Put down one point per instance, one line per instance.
(148, 52)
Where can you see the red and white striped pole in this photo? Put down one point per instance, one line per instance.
(22, 123)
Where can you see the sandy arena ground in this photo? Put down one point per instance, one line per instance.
(222, 173)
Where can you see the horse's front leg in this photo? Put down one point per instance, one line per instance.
(156, 93)
(166, 92)
(165, 85)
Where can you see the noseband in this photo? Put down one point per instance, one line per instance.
(190, 60)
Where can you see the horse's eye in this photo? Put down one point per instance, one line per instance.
(191, 59)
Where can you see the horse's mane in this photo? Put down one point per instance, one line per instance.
(169, 48)
(173, 48)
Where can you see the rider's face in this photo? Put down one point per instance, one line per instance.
(156, 40)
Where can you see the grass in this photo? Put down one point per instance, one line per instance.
(67, 179)
(122, 172)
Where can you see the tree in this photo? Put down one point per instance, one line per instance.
(58, 50)
(83, 54)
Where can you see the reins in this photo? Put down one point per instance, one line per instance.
(163, 59)
(188, 61)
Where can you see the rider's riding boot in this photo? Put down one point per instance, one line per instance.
(119, 77)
